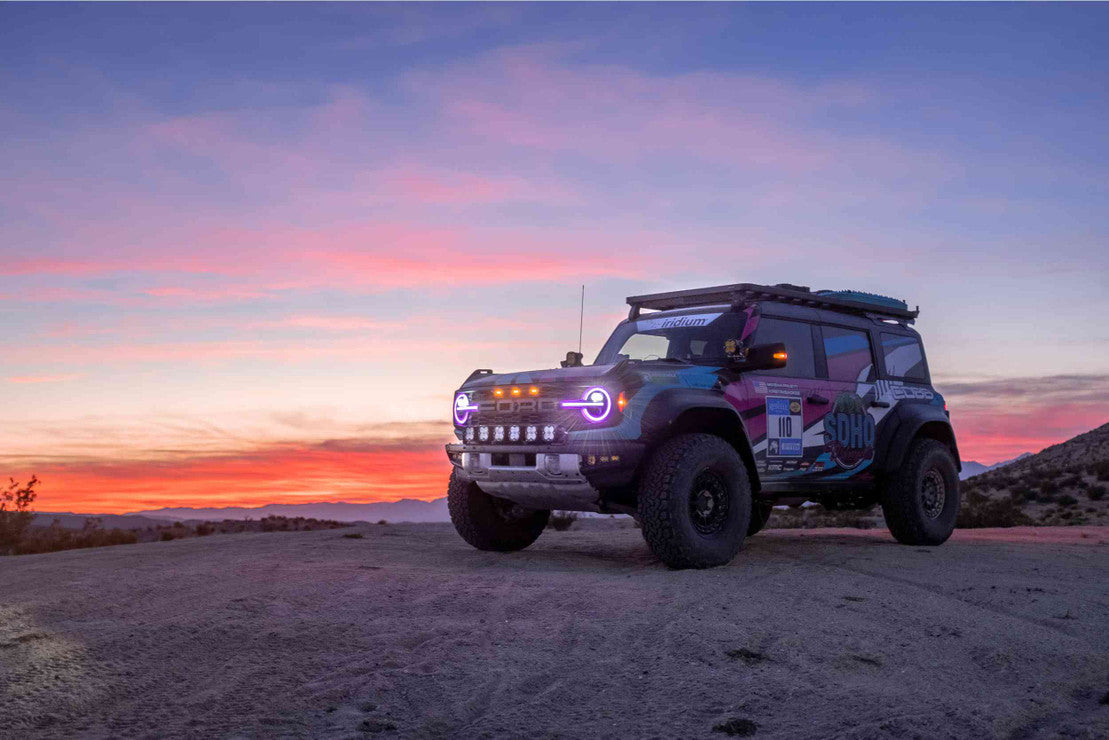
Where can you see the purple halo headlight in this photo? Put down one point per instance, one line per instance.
(595, 404)
(463, 407)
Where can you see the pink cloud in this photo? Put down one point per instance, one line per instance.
(237, 263)
(41, 378)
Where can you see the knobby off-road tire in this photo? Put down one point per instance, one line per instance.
(914, 513)
(680, 527)
(490, 523)
(760, 514)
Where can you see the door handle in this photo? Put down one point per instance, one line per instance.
(880, 404)
(817, 400)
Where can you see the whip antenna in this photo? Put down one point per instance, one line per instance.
(581, 320)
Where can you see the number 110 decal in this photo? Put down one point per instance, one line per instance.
(785, 426)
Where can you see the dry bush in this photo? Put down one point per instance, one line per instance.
(978, 511)
(56, 537)
(817, 517)
(15, 513)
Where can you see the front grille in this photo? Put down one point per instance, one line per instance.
(507, 412)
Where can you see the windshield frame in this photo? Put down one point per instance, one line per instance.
(731, 324)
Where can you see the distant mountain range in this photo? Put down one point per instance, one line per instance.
(972, 468)
(405, 510)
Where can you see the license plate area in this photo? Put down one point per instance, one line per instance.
(512, 460)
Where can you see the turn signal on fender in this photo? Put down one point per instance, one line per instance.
(780, 356)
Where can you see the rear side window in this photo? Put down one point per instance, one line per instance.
(797, 338)
(848, 353)
(904, 357)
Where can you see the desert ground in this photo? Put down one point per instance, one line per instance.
(409, 632)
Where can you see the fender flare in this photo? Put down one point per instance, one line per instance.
(669, 413)
(904, 424)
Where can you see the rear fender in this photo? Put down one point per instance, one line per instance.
(907, 422)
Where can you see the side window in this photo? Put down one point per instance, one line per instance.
(797, 338)
(904, 357)
(848, 353)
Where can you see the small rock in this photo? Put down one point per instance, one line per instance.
(737, 727)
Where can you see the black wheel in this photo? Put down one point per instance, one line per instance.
(695, 502)
(490, 523)
(760, 513)
(921, 500)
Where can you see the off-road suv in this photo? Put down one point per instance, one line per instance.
(705, 409)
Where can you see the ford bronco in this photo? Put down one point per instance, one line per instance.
(704, 410)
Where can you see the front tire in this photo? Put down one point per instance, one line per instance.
(760, 514)
(695, 502)
(491, 523)
(921, 500)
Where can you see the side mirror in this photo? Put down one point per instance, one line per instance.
(764, 357)
(573, 359)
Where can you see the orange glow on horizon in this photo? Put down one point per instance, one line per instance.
(282, 475)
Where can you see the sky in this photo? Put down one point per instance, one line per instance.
(247, 252)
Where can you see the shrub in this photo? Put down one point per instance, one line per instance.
(1100, 469)
(560, 521)
(15, 512)
(55, 537)
(1067, 500)
(978, 511)
(1048, 487)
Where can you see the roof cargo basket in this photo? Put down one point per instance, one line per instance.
(846, 301)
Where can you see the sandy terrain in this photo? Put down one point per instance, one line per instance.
(409, 632)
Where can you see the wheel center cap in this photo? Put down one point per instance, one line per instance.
(705, 503)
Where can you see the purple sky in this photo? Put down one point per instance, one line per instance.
(235, 233)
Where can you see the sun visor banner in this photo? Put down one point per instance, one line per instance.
(677, 322)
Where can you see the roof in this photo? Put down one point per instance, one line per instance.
(844, 301)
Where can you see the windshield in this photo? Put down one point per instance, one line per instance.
(688, 337)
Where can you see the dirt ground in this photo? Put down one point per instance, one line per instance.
(409, 632)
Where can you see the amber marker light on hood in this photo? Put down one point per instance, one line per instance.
(515, 391)
(498, 392)
(533, 391)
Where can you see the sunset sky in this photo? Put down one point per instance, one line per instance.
(247, 252)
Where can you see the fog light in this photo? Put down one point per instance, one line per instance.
(548, 433)
(531, 434)
(483, 434)
(469, 434)
(514, 434)
(498, 434)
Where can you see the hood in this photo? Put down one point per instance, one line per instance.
(554, 375)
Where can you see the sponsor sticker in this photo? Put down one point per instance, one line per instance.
(785, 426)
(677, 322)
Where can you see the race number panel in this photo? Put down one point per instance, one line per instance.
(785, 426)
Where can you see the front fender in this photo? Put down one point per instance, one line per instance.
(690, 410)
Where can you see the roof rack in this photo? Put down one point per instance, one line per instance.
(845, 301)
